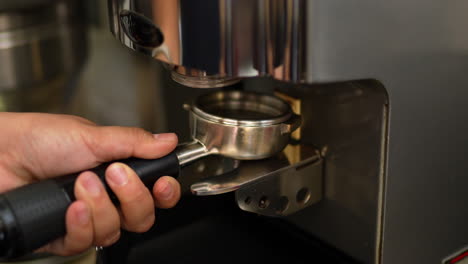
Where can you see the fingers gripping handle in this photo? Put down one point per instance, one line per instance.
(149, 171)
(34, 215)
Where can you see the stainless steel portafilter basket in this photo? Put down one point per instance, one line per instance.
(238, 125)
(234, 124)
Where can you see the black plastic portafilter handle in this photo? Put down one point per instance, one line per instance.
(34, 215)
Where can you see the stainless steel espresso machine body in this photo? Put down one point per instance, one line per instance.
(381, 88)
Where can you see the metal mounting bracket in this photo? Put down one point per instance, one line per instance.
(278, 186)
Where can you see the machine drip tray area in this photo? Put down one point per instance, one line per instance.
(214, 230)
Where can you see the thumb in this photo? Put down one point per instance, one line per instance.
(111, 143)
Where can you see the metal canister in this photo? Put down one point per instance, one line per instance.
(43, 45)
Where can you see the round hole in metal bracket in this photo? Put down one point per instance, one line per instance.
(248, 200)
(283, 204)
(303, 196)
(263, 202)
(201, 167)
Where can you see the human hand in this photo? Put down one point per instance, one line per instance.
(34, 147)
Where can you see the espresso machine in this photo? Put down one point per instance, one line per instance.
(374, 171)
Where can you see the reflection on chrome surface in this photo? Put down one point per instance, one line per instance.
(218, 41)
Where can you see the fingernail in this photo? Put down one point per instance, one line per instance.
(92, 184)
(118, 175)
(83, 214)
(166, 190)
(170, 137)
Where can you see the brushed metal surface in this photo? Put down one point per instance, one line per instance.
(250, 172)
(418, 50)
(284, 192)
(347, 123)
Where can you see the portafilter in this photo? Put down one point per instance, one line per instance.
(235, 124)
